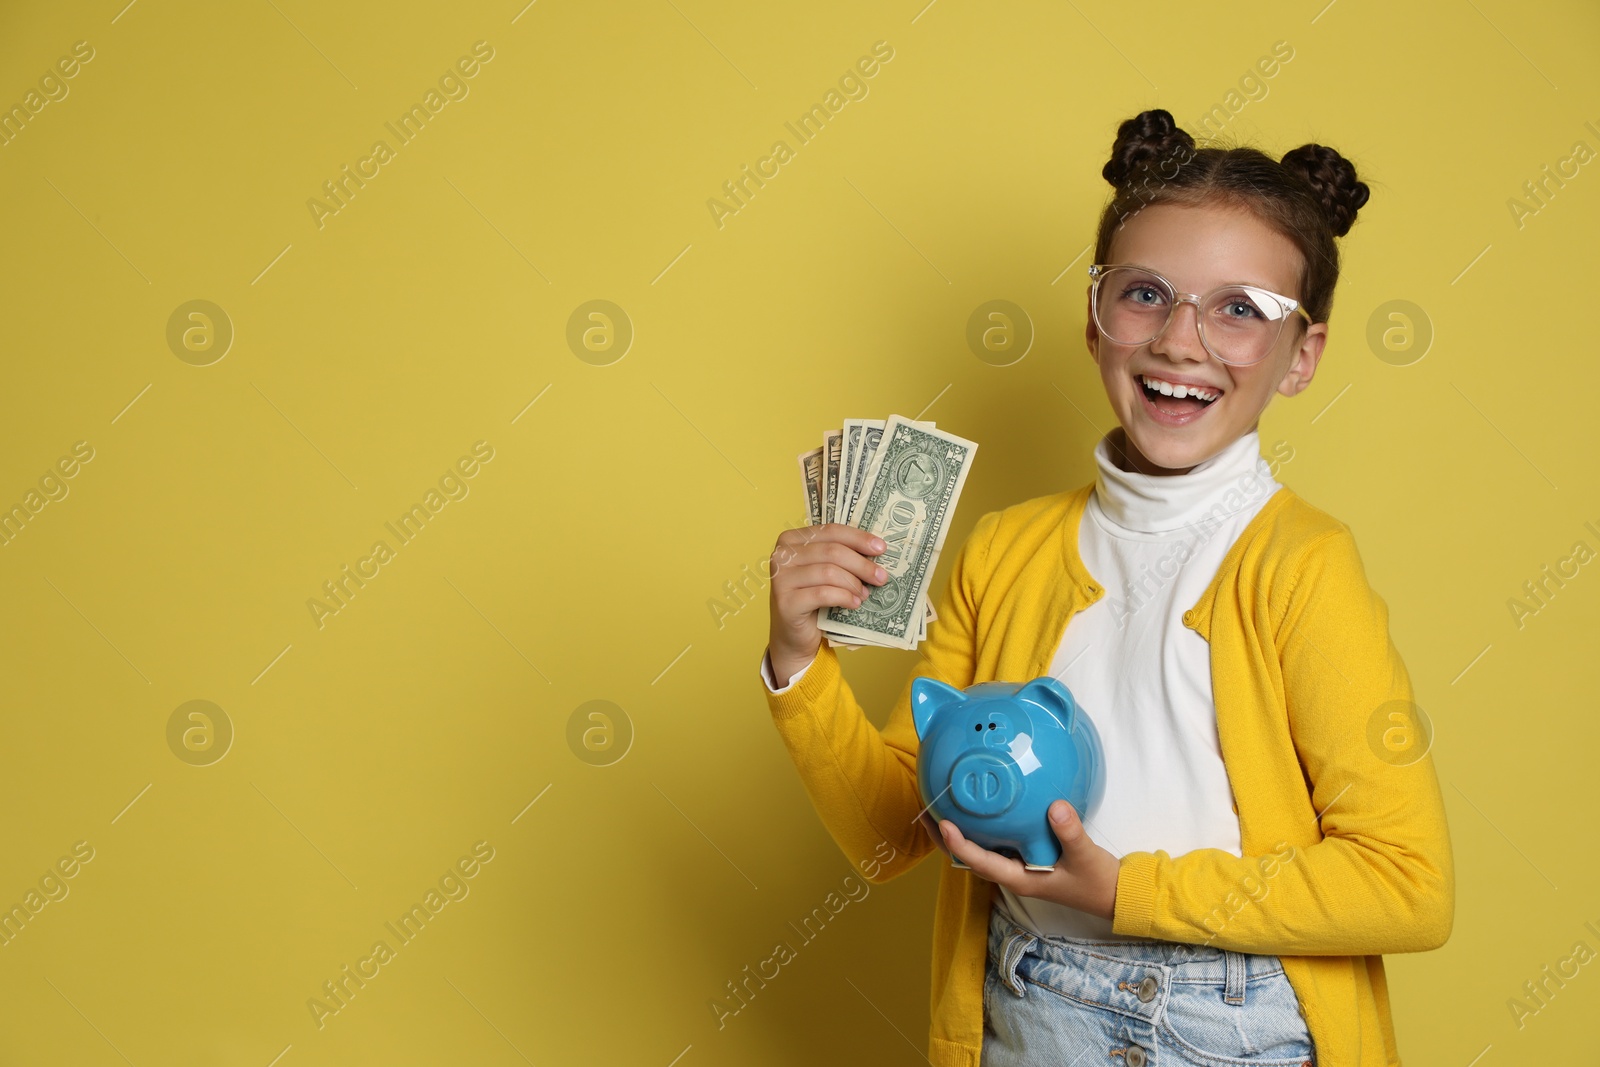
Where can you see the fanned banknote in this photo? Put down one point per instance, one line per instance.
(832, 443)
(861, 438)
(811, 475)
(910, 483)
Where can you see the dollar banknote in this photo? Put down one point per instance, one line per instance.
(849, 448)
(909, 493)
(860, 442)
(832, 446)
(811, 475)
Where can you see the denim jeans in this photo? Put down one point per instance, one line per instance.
(1068, 1002)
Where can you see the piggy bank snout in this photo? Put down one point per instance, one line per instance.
(985, 783)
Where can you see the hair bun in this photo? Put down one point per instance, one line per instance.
(1147, 141)
(1333, 182)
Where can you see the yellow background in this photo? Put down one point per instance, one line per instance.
(372, 352)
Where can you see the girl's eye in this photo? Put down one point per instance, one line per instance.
(1239, 308)
(1143, 294)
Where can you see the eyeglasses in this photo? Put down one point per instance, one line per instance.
(1239, 324)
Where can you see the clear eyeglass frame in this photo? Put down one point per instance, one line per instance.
(1288, 304)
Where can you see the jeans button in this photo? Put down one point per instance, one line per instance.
(1135, 1056)
(1147, 990)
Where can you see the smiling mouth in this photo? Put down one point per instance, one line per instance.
(1175, 401)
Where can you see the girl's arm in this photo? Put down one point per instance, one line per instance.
(1369, 870)
(862, 780)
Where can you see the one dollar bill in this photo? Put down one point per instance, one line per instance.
(908, 497)
(811, 475)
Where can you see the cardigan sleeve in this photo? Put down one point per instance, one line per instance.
(862, 780)
(1377, 875)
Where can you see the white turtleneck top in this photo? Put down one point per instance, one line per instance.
(1144, 678)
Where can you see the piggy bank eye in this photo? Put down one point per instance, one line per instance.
(991, 726)
(978, 727)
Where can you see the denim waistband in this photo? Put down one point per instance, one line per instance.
(1127, 976)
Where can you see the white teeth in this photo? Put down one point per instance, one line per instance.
(1179, 391)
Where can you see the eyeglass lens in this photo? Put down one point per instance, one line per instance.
(1238, 324)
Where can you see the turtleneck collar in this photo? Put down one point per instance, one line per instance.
(1152, 504)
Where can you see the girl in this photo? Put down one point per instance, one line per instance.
(1272, 822)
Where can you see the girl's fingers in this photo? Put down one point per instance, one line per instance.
(826, 574)
(806, 601)
(859, 540)
(843, 549)
(991, 866)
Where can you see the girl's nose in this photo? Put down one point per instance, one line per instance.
(1181, 336)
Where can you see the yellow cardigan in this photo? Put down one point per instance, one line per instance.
(1346, 852)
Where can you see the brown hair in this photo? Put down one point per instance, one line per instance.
(1311, 196)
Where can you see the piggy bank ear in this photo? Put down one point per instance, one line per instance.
(1051, 694)
(928, 695)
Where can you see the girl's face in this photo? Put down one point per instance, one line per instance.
(1199, 248)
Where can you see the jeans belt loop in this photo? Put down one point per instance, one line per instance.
(1233, 985)
(1016, 945)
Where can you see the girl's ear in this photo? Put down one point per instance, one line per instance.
(1303, 366)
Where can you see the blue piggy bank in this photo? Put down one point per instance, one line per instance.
(995, 756)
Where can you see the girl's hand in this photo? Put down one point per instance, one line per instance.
(1085, 877)
(815, 567)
